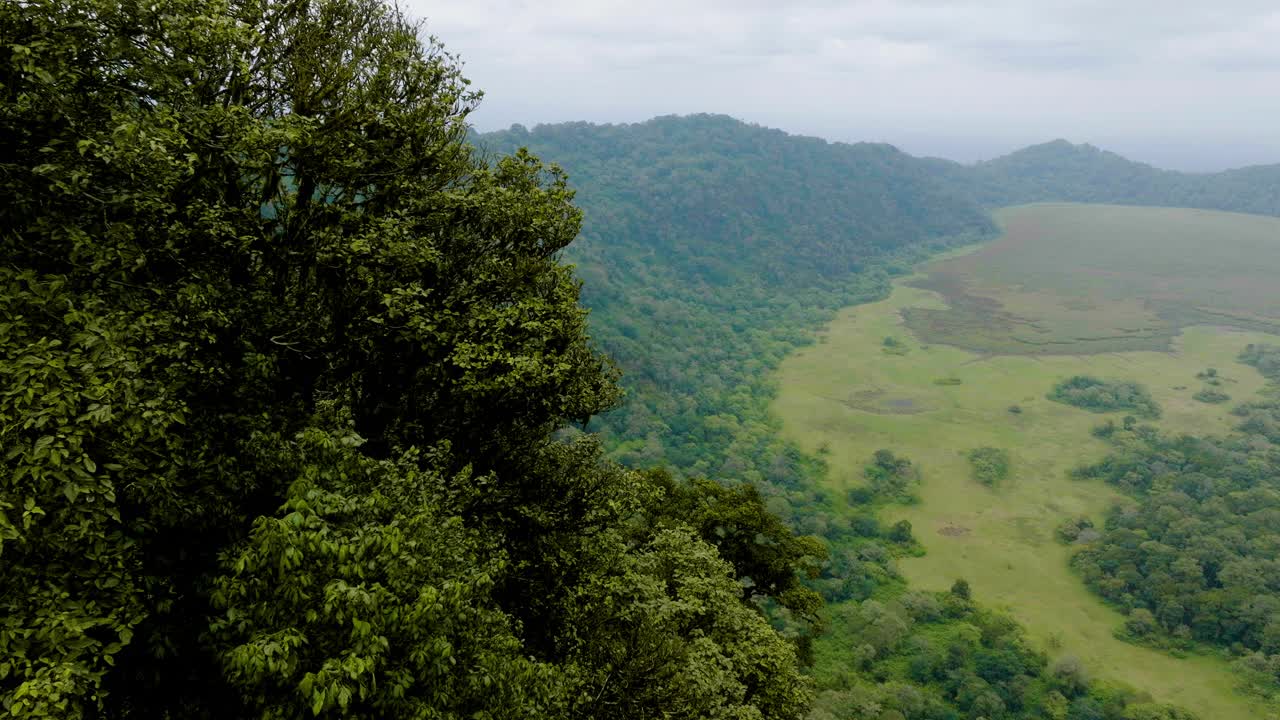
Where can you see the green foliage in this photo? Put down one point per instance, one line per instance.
(1211, 396)
(1141, 623)
(901, 532)
(989, 465)
(890, 476)
(1096, 395)
(938, 656)
(769, 559)
(893, 346)
(1194, 560)
(1076, 530)
(285, 366)
(1266, 358)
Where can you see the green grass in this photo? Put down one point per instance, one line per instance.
(845, 395)
(1068, 278)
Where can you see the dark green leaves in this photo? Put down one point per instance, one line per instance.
(282, 364)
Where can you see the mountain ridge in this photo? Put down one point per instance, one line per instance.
(1055, 143)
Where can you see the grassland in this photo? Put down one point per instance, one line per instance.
(853, 393)
(1061, 280)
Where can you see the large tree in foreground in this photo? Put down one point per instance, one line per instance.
(281, 364)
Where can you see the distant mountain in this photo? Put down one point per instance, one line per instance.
(1061, 171)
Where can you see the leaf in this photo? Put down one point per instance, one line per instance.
(317, 701)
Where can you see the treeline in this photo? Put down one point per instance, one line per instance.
(939, 656)
(1195, 560)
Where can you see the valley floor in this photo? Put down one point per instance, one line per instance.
(856, 392)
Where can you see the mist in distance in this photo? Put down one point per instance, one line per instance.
(1177, 86)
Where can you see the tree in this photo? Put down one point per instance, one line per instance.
(1070, 676)
(770, 560)
(901, 532)
(960, 588)
(283, 360)
(890, 475)
(1141, 623)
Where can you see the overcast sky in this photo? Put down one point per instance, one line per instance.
(1186, 84)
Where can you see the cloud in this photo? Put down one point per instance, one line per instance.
(881, 69)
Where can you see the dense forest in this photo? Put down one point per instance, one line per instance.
(286, 368)
(1195, 559)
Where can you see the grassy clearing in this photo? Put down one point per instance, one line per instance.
(1069, 278)
(1002, 539)
(935, 402)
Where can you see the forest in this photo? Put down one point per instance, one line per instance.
(1194, 561)
(316, 403)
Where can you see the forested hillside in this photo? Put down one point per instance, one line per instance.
(294, 381)
(697, 256)
(710, 248)
(1061, 171)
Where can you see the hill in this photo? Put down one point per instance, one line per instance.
(726, 201)
(1062, 171)
(711, 247)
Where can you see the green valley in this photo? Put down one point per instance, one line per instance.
(879, 377)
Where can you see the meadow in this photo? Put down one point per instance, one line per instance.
(877, 379)
(1069, 278)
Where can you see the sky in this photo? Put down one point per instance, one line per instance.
(1183, 84)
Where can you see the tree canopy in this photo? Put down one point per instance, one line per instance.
(285, 370)
(1101, 396)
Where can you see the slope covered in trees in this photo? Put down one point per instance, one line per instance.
(710, 248)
